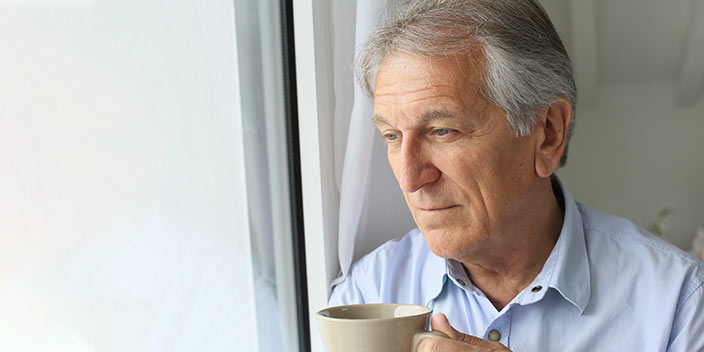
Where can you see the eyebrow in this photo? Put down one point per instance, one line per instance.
(425, 117)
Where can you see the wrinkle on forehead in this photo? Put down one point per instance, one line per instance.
(426, 116)
(437, 86)
(402, 73)
(411, 85)
(414, 99)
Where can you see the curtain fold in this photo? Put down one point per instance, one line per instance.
(372, 209)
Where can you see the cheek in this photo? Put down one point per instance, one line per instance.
(463, 169)
(483, 179)
(505, 182)
(517, 165)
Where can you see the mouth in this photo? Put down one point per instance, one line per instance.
(436, 209)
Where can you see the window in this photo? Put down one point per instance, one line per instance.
(147, 203)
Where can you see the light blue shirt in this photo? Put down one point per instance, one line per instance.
(607, 285)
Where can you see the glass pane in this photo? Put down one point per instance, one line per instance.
(131, 219)
(261, 79)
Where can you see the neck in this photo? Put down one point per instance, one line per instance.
(528, 242)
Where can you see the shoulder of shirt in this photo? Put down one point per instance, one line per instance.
(620, 229)
(614, 228)
(393, 272)
(373, 273)
(407, 246)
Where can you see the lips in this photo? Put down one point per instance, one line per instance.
(436, 208)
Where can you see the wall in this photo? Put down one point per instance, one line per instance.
(637, 152)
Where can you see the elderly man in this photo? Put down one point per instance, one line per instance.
(475, 99)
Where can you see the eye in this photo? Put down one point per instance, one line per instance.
(442, 131)
(390, 137)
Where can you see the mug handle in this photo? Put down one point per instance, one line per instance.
(417, 338)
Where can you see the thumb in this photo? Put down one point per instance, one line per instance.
(441, 324)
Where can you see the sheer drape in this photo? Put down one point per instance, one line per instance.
(372, 209)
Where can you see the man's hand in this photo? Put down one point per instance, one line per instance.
(458, 342)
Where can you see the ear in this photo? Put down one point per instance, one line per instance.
(551, 129)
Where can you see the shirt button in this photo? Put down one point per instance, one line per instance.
(494, 335)
(536, 289)
(460, 282)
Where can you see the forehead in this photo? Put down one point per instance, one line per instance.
(407, 78)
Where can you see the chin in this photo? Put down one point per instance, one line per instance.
(449, 244)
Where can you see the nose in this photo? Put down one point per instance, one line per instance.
(414, 166)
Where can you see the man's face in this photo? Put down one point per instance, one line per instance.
(465, 178)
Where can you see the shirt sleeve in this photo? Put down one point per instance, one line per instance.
(688, 325)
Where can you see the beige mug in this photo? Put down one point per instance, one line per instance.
(374, 327)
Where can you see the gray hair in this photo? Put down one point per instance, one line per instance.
(527, 65)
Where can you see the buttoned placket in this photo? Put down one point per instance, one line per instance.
(500, 329)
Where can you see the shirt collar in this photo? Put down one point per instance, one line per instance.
(571, 276)
(566, 269)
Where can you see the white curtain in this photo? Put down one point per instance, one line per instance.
(372, 209)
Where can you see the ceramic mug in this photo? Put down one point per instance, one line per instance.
(374, 327)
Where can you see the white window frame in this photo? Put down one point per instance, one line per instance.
(315, 108)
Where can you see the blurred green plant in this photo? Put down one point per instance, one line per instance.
(659, 226)
(698, 244)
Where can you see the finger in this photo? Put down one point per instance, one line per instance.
(440, 323)
(435, 344)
